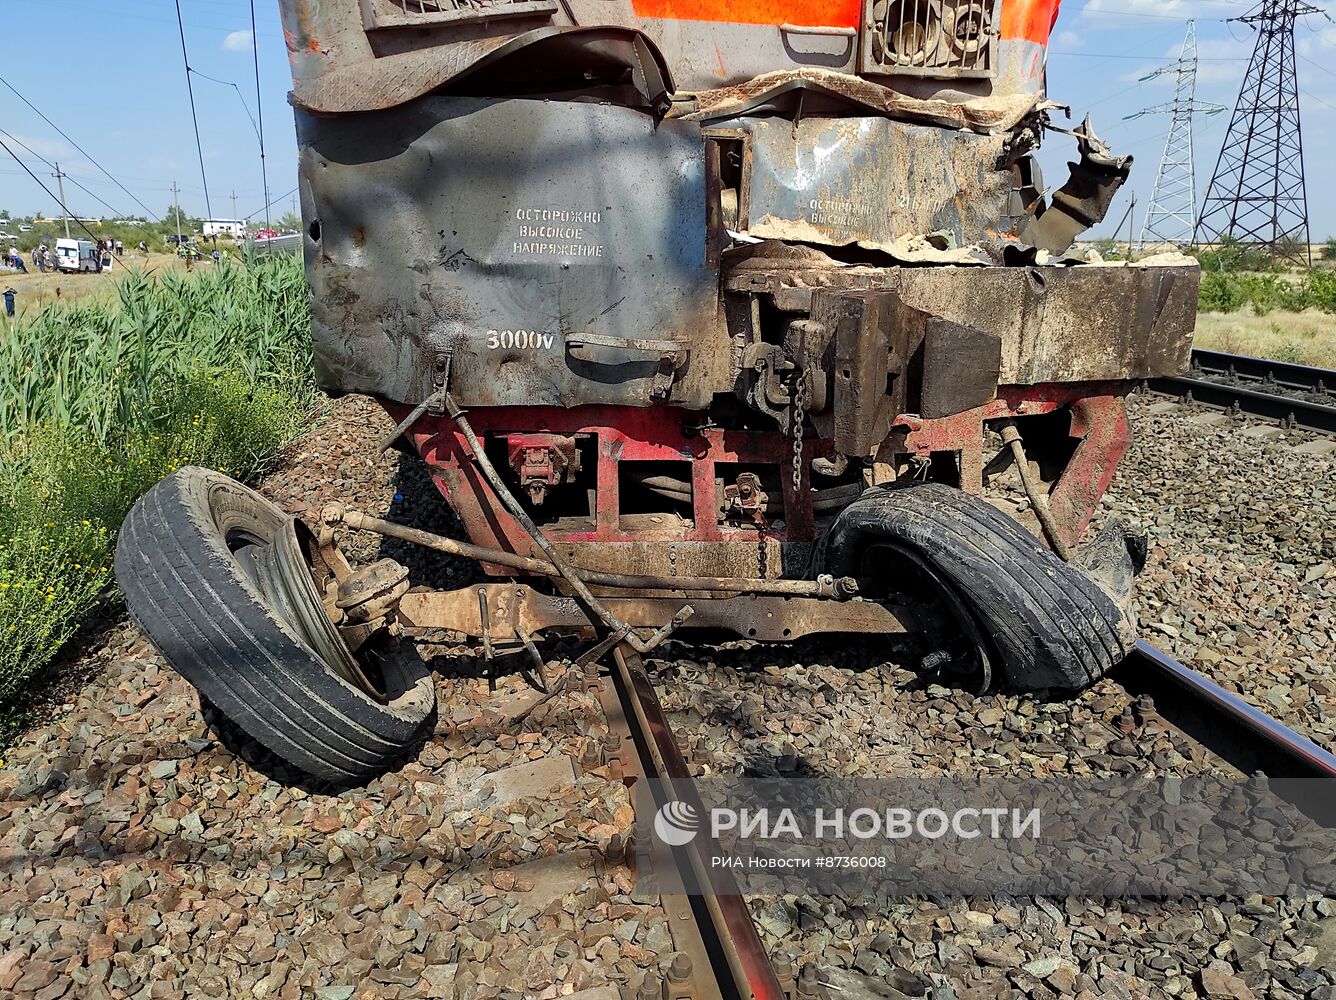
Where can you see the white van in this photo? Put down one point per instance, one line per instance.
(75, 256)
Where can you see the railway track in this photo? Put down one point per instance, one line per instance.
(714, 928)
(1292, 395)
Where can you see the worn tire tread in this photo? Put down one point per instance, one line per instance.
(1052, 625)
(189, 596)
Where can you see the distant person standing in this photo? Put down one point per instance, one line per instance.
(9, 301)
(46, 259)
(120, 248)
(143, 247)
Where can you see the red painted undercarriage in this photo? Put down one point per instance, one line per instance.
(733, 501)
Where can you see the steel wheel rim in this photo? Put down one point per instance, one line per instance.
(284, 575)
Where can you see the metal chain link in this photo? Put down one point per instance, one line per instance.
(798, 415)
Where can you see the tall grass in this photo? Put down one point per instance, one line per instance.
(98, 402)
(107, 368)
(1228, 292)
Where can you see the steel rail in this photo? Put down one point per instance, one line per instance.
(1241, 399)
(1240, 733)
(740, 966)
(1281, 373)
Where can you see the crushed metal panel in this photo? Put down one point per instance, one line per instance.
(1081, 323)
(555, 252)
(1069, 324)
(872, 180)
(338, 65)
(381, 15)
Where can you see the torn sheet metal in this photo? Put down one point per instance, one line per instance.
(548, 253)
(1084, 200)
(872, 181)
(345, 69)
(994, 113)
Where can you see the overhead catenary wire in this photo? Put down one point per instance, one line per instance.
(64, 135)
(1133, 55)
(54, 197)
(228, 83)
(194, 116)
(23, 145)
(285, 194)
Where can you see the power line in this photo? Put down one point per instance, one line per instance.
(57, 200)
(89, 158)
(1111, 12)
(285, 194)
(1257, 193)
(1125, 55)
(21, 144)
(229, 83)
(1314, 62)
(190, 89)
(1173, 201)
(1313, 97)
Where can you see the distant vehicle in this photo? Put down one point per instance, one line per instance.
(173, 240)
(7, 236)
(266, 234)
(25, 228)
(287, 244)
(76, 256)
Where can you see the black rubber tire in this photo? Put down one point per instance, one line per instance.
(188, 593)
(1052, 627)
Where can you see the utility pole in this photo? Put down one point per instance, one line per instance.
(1173, 202)
(176, 211)
(259, 113)
(1131, 223)
(60, 186)
(1257, 194)
(234, 204)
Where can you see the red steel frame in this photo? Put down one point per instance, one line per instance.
(671, 434)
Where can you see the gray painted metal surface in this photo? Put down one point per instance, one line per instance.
(871, 180)
(548, 253)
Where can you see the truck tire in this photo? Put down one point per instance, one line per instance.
(180, 561)
(1049, 625)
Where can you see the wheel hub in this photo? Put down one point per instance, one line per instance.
(295, 574)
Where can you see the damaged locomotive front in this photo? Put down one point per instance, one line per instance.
(726, 316)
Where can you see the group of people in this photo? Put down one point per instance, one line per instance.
(41, 255)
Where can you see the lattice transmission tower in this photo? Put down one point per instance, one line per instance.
(1172, 214)
(1256, 194)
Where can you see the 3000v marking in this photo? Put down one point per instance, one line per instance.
(524, 340)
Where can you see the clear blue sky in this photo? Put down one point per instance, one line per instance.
(114, 82)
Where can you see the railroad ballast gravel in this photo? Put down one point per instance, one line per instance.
(143, 858)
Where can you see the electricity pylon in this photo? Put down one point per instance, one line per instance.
(1173, 203)
(1257, 195)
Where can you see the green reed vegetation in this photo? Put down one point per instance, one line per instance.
(99, 401)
